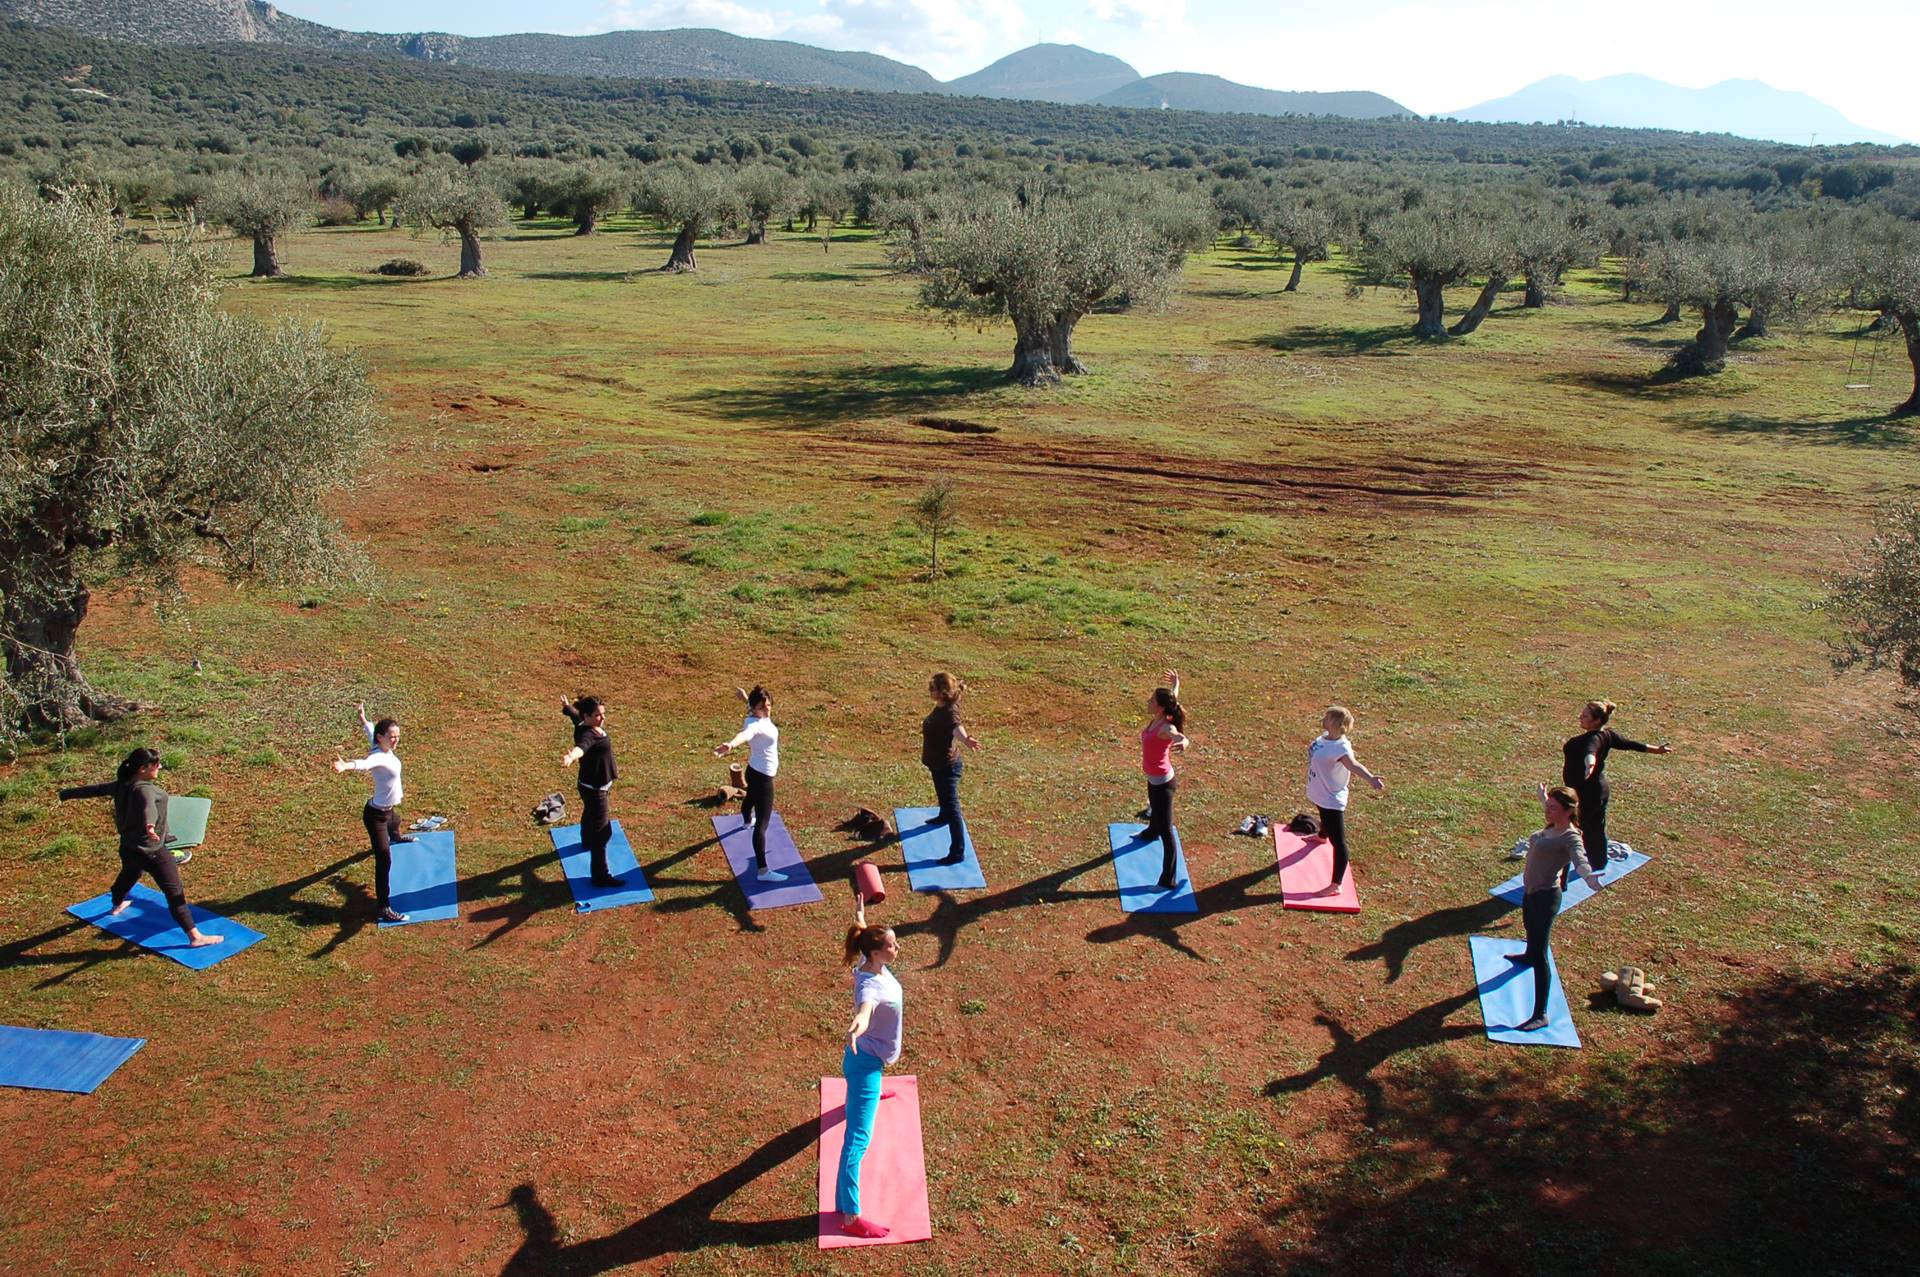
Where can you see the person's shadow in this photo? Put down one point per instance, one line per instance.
(1401, 939)
(683, 1225)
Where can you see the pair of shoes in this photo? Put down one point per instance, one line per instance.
(608, 880)
(765, 874)
(390, 914)
(1168, 884)
(1246, 826)
(1518, 851)
(182, 856)
(1262, 827)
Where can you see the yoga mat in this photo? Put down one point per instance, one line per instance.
(1506, 996)
(924, 847)
(422, 882)
(782, 857)
(148, 924)
(893, 1174)
(1306, 867)
(1136, 870)
(187, 820)
(577, 863)
(1514, 889)
(55, 1060)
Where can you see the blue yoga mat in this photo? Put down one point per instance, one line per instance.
(736, 840)
(925, 848)
(1513, 889)
(1506, 995)
(1136, 868)
(578, 866)
(148, 924)
(55, 1060)
(422, 884)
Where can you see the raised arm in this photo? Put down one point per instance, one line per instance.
(366, 724)
(103, 790)
(357, 765)
(1173, 683)
(573, 715)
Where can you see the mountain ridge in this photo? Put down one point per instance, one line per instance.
(1744, 107)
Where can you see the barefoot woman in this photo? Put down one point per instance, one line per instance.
(140, 815)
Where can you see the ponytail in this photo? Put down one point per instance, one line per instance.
(1170, 706)
(1601, 711)
(138, 761)
(861, 942)
(946, 688)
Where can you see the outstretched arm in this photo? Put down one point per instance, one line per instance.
(861, 1019)
(572, 756)
(721, 751)
(103, 790)
(1359, 769)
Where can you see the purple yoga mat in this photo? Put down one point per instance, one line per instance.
(737, 841)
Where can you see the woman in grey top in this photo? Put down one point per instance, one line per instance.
(1555, 850)
(140, 816)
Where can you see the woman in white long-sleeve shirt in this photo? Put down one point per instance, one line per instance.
(762, 740)
(382, 813)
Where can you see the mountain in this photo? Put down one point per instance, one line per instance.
(684, 54)
(1182, 91)
(1048, 73)
(1745, 108)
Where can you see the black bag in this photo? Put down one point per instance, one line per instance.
(1305, 824)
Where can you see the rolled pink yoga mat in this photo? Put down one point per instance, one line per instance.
(866, 877)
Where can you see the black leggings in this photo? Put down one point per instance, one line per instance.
(1333, 827)
(946, 791)
(758, 807)
(1160, 821)
(1593, 823)
(596, 827)
(383, 826)
(1538, 910)
(134, 862)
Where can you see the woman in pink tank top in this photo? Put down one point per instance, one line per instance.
(1158, 740)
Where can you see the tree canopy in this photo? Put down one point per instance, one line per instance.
(458, 203)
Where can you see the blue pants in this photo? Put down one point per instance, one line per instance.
(946, 790)
(863, 1073)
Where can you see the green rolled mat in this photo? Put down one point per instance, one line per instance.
(187, 821)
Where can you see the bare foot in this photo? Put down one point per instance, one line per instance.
(118, 909)
(200, 940)
(854, 1226)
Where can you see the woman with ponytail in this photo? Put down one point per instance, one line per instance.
(593, 750)
(762, 740)
(941, 735)
(140, 815)
(873, 1042)
(1552, 853)
(1585, 772)
(1159, 739)
(1330, 765)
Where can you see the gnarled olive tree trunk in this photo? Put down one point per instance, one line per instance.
(1060, 346)
(1756, 325)
(266, 258)
(41, 618)
(586, 220)
(1430, 293)
(1033, 354)
(1671, 315)
(681, 258)
(756, 232)
(1293, 280)
(1539, 288)
(1707, 352)
(1910, 329)
(1481, 306)
(471, 267)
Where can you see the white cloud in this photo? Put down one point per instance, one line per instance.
(1154, 17)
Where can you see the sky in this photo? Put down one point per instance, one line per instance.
(1431, 55)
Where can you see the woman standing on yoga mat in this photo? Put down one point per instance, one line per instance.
(593, 750)
(1554, 851)
(762, 740)
(381, 815)
(140, 816)
(1158, 741)
(1585, 772)
(873, 1042)
(941, 735)
(1330, 765)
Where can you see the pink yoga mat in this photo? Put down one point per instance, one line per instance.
(1306, 867)
(893, 1176)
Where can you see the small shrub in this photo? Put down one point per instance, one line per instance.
(337, 212)
(404, 266)
(710, 519)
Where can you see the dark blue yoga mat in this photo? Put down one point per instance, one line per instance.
(148, 924)
(1136, 868)
(422, 882)
(577, 863)
(1506, 995)
(1513, 889)
(925, 848)
(55, 1060)
(736, 840)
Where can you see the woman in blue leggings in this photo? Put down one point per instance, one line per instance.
(873, 1042)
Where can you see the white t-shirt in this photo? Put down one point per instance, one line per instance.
(1328, 773)
(763, 745)
(882, 1038)
(385, 766)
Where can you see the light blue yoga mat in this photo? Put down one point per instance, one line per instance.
(56, 1060)
(148, 924)
(1506, 995)
(1136, 868)
(925, 848)
(1514, 889)
(422, 884)
(577, 863)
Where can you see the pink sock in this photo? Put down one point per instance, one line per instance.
(858, 1227)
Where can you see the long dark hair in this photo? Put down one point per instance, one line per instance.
(586, 706)
(757, 697)
(1170, 706)
(138, 761)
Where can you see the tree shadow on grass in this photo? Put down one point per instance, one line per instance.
(1384, 339)
(1790, 1143)
(682, 1226)
(341, 283)
(1879, 431)
(826, 397)
(586, 276)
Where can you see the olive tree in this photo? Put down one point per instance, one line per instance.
(766, 195)
(262, 207)
(692, 200)
(1883, 273)
(1731, 257)
(143, 431)
(587, 192)
(1301, 224)
(1877, 600)
(456, 203)
(1433, 244)
(1551, 235)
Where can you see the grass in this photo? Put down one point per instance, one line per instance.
(601, 479)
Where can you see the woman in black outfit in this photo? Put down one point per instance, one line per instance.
(593, 750)
(941, 735)
(140, 815)
(1585, 773)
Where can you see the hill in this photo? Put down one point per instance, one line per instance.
(681, 54)
(1745, 108)
(1184, 91)
(1048, 73)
